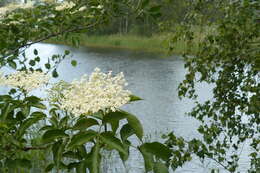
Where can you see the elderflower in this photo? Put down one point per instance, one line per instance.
(97, 92)
(65, 5)
(25, 80)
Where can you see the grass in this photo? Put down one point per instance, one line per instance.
(153, 44)
(158, 43)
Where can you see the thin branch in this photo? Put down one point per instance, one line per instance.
(52, 35)
(33, 148)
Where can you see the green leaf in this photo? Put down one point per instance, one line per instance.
(126, 131)
(35, 52)
(55, 73)
(136, 125)
(38, 105)
(144, 3)
(95, 159)
(32, 62)
(35, 117)
(23, 163)
(134, 98)
(49, 167)
(57, 150)
(81, 138)
(74, 63)
(126, 145)
(114, 117)
(85, 123)
(12, 64)
(38, 59)
(71, 154)
(113, 142)
(51, 135)
(155, 9)
(47, 65)
(66, 52)
(148, 159)
(159, 167)
(158, 149)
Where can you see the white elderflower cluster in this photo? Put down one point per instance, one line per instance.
(65, 5)
(25, 80)
(97, 92)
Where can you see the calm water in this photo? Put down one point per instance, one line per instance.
(155, 79)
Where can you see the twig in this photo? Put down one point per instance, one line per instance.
(50, 36)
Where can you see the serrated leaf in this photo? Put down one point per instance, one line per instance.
(113, 142)
(81, 138)
(51, 135)
(126, 131)
(115, 117)
(157, 149)
(35, 117)
(38, 105)
(84, 123)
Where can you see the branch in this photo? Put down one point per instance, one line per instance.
(33, 148)
(50, 36)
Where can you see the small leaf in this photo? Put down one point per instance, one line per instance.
(32, 62)
(55, 73)
(38, 59)
(47, 65)
(74, 63)
(51, 135)
(134, 98)
(66, 52)
(35, 51)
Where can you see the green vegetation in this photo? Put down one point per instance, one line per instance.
(227, 57)
(140, 43)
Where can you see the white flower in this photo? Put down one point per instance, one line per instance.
(65, 5)
(82, 8)
(25, 80)
(97, 92)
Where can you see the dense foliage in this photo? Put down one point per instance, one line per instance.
(228, 58)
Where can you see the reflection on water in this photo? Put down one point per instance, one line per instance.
(151, 77)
